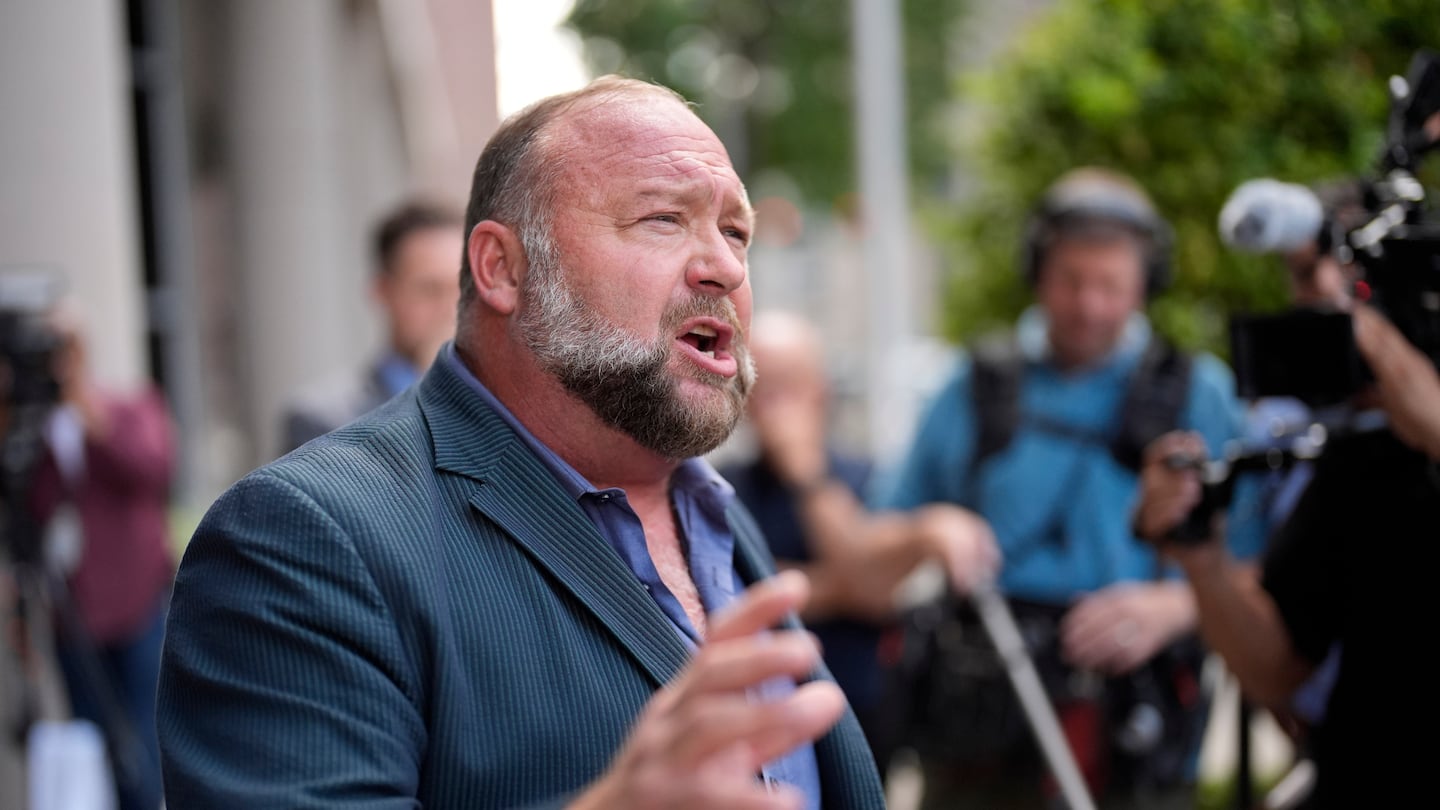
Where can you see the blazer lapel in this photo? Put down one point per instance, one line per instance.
(563, 541)
(515, 490)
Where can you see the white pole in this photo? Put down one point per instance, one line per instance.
(1005, 635)
(885, 211)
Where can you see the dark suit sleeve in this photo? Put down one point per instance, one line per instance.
(284, 681)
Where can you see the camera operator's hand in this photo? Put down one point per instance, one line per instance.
(1169, 491)
(1405, 380)
(72, 373)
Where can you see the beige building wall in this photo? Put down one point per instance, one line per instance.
(313, 119)
(303, 122)
(67, 181)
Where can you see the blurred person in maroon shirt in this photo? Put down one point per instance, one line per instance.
(102, 492)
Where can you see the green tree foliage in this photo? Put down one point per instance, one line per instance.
(773, 78)
(1191, 97)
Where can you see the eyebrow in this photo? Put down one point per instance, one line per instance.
(689, 192)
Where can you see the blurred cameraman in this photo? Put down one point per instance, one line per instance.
(102, 490)
(1341, 570)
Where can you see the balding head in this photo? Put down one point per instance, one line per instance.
(789, 358)
(520, 169)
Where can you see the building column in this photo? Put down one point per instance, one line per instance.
(67, 158)
(292, 251)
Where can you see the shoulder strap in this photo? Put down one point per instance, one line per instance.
(996, 370)
(1156, 396)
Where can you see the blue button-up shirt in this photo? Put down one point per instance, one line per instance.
(700, 497)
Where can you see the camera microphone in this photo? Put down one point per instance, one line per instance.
(1268, 216)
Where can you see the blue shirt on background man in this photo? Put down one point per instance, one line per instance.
(1061, 508)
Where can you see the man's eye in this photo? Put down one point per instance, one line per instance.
(738, 235)
(671, 218)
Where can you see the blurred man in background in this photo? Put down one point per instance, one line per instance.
(416, 247)
(808, 498)
(102, 492)
(1041, 434)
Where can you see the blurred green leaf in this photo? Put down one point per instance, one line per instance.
(796, 118)
(1191, 97)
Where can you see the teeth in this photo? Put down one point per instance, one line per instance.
(705, 331)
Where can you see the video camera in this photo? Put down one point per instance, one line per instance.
(1311, 354)
(29, 390)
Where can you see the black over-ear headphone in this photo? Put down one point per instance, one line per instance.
(1091, 196)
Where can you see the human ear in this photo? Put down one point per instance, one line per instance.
(497, 261)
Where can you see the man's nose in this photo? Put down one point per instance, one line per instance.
(717, 266)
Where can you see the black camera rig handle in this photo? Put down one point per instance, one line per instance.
(1218, 476)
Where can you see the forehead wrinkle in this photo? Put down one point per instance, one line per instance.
(631, 132)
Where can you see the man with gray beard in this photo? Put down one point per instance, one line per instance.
(518, 584)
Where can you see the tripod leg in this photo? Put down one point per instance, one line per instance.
(1005, 635)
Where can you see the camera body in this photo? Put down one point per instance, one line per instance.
(1311, 355)
(29, 390)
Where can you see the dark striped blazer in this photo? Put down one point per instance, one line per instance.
(409, 612)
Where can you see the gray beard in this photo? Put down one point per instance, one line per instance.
(622, 378)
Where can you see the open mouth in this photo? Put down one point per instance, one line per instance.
(705, 339)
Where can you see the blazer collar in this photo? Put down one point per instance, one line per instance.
(517, 492)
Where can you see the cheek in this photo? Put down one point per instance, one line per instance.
(1062, 306)
(744, 306)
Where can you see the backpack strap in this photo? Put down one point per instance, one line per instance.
(1154, 400)
(1155, 397)
(997, 369)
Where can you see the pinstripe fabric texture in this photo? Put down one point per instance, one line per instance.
(409, 612)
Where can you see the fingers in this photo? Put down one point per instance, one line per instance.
(744, 662)
(1111, 631)
(1118, 628)
(1085, 631)
(725, 724)
(1165, 503)
(1169, 490)
(701, 740)
(762, 606)
(1185, 443)
(964, 542)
